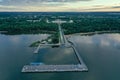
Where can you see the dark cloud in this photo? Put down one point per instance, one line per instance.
(115, 7)
(103, 8)
(98, 5)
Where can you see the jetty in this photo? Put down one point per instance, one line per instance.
(81, 66)
(54, 68)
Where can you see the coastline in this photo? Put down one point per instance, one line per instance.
(95, 32)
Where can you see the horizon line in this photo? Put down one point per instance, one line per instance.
(61, 11)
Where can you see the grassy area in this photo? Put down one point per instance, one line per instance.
(53, 39)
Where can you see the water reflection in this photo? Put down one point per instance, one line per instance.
(56, 56)
(101, 53)
(112, 40)
(14, 53)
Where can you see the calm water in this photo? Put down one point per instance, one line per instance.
(101, 53)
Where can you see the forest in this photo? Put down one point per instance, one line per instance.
(33, 23)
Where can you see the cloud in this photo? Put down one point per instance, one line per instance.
(115, 7)
(10, 8)
(59, 5)
(42, 0)
(36, 2)
(97, 5)
(1, 0)
(102, 8)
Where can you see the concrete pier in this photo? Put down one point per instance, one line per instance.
(58, 68)
(81, 62)
(36, 51)
(53, 68)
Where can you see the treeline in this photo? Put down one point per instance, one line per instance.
(92, 25)
(13, 25)
(81, 23)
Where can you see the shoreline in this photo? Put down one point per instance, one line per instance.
(3, 31)
(51, 32)
(96, 32)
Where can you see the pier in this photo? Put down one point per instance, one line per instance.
(53, 68)
(81, 62)
(58, 68)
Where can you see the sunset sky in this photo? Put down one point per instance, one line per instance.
(59, 5)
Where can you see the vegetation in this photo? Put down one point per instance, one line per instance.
(35, 44)
(30, 23)
(18, 26)
(53, 39)
(92, 25)
(33, 23)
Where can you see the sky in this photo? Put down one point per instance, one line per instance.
(59, 5)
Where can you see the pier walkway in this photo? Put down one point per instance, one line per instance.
(53, 68)
(58, 68)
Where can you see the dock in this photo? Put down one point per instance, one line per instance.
(54, 68)
(58, 68)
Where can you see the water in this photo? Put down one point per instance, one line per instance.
(101, 53)
(56, 56)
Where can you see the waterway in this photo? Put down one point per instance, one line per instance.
(100, 52)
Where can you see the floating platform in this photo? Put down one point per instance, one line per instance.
(54, 68)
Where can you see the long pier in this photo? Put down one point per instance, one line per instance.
(53, 68)
(62, 39)
(36, 51)
(58, 68)
(81, 62)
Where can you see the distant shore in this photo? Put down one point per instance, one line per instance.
(96, 32)
(3, 31)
